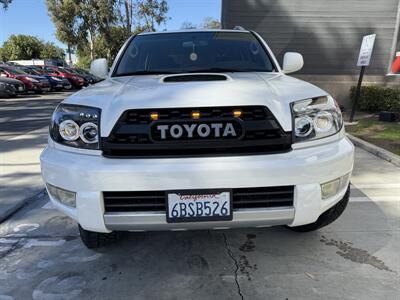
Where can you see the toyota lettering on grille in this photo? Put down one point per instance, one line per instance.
(196, 131)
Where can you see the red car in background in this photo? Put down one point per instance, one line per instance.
(75, 80)
(33, 83)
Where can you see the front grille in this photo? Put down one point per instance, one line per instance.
(133, 136)
(243, 198)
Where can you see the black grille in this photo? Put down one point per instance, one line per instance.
(132, 136)
(243, 198)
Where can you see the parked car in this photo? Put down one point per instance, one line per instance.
(33, 83)
(197, 130)
(89, 76)
(57, 83)
(11, 87)
(88, 79)
(76, 81)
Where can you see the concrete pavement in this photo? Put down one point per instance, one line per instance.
(357, 257)
(23, 134)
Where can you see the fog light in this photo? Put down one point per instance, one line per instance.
(65, 197)
(330, 188)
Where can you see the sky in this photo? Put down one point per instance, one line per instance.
(30, 17)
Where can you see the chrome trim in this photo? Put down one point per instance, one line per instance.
(156, 221)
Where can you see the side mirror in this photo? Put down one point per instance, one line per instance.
(292, 62)
(99, 67)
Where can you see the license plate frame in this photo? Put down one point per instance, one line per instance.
(196, 218)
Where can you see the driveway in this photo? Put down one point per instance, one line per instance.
(357, 257)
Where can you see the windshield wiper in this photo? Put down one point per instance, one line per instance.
(144, 72)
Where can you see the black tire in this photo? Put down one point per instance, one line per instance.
(327, 217)
(94, 240)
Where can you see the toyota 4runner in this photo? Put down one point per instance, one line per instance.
(197, 130)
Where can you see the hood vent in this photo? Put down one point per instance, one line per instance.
(195, 77)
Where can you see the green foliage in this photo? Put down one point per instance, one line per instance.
(64, 16)
(28, 47)
(21, 47)
(152, 12)
(208, 23)
(49, 50)
(5, 3)
(98, 28)
(378, 98)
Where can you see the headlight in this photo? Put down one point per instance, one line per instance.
(32, 79)
(55, 78)
(76, 126)
(316, 118)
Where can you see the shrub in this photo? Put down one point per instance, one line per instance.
(377, 98)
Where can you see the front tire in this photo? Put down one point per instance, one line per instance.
(94, 240)
(327, 217)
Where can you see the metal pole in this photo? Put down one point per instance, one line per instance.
(358, 93)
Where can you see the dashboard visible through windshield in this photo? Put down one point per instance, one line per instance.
(191, 52)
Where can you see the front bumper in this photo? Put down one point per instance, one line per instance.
(90, 175)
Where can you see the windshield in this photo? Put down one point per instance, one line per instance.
(169, 53)
(14, 71)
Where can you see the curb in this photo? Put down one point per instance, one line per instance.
(375, 150)
(12, 209)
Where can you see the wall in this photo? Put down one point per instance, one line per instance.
(327, 32)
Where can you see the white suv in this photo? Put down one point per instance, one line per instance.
(197, 130)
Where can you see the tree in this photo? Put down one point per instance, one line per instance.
(188, 25)
(21, 47)
(64, 16)
(49, 50)
(210, 23)
(152, 12)
(97, 28)
(29, 47)
(5, 3)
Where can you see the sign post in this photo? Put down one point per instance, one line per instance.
(364, 59)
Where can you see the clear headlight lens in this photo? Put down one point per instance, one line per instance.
(76, 126)
(316, 118)
(55, 78)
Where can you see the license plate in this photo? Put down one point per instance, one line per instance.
(199, 206)
(20, 88)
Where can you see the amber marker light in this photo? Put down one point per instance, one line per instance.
(196, 115)
(237, 113)
(154, 116)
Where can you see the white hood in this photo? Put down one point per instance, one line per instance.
(274, 90)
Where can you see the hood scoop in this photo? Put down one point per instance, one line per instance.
(195, 77)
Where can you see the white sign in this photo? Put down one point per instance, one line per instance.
(366, 50)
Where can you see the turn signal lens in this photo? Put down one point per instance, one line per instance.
(154, 116)
(237, 113)
(196, 115)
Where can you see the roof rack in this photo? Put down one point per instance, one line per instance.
(237, 27)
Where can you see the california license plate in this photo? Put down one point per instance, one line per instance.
(199, 206)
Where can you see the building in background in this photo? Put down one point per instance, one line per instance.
(327, 33)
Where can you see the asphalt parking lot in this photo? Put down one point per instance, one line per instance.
(357, 257)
